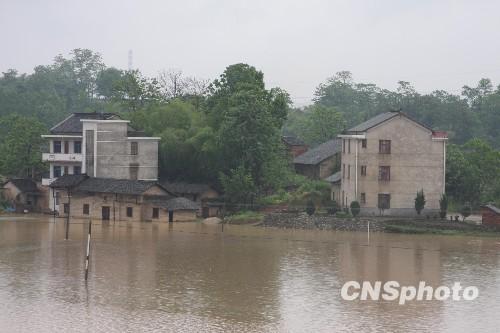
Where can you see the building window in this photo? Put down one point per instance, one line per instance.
(57, 147)
(66, 170)
(134, 171)
(77, 147)
(57, 198)
(343, 146)
(156, 213)
(343, 171)
(77, 170)
(363, 143)
(66, 208)
(384, 146)
(349, 171)
(363, 198)
(66, 147)
(363, 170)
(130, 212)
(349, 146)
(384, 201)
(86, 209)
(384, 173)
(134, 148)
(57, 171)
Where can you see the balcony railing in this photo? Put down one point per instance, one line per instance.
(48, 157)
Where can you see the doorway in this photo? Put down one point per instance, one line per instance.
(105, 213)
(170, 216)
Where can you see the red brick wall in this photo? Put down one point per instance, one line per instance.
(490, 217)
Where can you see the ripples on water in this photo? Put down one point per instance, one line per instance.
(191, 277)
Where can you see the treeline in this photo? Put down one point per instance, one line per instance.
(227, 131)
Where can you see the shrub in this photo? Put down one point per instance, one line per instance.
(443, 206)
(332, 207)
(419, 201)
(355, 208)
(310, 208)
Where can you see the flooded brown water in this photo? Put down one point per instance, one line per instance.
(190, 277)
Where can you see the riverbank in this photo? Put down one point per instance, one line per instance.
(377, 224)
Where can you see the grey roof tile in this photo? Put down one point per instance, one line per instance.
(320, 153)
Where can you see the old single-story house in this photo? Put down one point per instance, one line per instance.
(294, 145)
(202, 194)
(319, 162)
(490, 215)
(82, 196)
(22, 194)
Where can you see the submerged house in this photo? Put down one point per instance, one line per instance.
(102, 168)
(100, 145)
(82, 196)
(202, 194)
(490, 215)
(387, 159)
(319, 162)
(22, 194)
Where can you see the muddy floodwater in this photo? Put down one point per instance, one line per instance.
(191, 277)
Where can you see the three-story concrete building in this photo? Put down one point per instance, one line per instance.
(387, 159)
(100, 145)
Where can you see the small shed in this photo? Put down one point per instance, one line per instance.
(490, 215)
(179, 209)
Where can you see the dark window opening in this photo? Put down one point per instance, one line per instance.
(384, 173)
(349, 146)
(343, 171)
(77, 170)
(384, 201)
(130, 212)
(57, 171)
(57, 147)
(134, 148)
(349, 171)
(384, 146)
(66, 147)
(77, 147)
(86, 209)
(66, 170)
(66, 208)
(156, 213)
(363, 198)
(363, 143)
(363, 170)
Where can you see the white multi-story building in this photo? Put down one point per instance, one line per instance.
(99, 145)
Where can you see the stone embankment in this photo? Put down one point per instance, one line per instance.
(323, 222)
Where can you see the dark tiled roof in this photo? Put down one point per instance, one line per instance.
(68, 181)
(24, 184)
(176, 204)
(73, 124)
(186, 188)
(333, 178)
(118, 186)
(292, 140)
(493, 208)
(320, 153)
(380, 118)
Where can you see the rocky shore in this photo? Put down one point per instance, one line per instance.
(377, 224)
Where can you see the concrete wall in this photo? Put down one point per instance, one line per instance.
(113, 152)
(416, 162)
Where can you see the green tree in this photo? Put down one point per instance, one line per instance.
(20, 144)
(420, 201)
(355, 208)
(239, 188)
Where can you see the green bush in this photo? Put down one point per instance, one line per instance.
(332, 207)
(310, 208)
(355, 208)
(419, 201)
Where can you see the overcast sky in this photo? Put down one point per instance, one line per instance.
(297, 44)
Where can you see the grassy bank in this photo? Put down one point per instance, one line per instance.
(440, 229)
(244, 217)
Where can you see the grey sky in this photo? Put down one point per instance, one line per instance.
(297, 44)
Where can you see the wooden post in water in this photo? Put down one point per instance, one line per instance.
(87, 259)
(69, 212)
